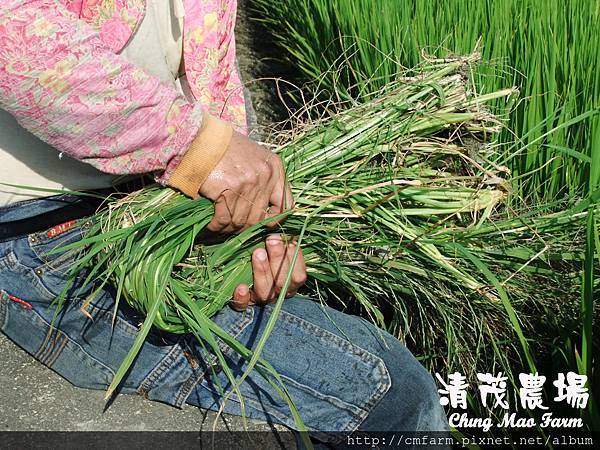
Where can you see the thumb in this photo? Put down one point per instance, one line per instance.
(241, 297)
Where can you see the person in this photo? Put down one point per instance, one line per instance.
(92, 91)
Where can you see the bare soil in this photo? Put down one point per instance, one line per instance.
(260, 64)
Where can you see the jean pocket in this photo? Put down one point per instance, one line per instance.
(44, 258)
(46, 245)
(230, 321)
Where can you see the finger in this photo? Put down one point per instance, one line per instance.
(280, 202)
(276, 249)
(299, 275)
(259, 208)
(281, 198)
(289, 197)
(223, 211)
(241, 210)
(241, 298)
(263, 279)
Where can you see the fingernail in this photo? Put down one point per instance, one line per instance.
(261, 255)
(243, 290)
(274, 239)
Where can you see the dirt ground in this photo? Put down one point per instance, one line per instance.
(260, 65)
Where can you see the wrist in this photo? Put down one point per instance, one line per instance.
(202, 156)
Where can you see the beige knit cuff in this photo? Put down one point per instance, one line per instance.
(201, 157)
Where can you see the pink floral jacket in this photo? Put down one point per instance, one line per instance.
(63, 79)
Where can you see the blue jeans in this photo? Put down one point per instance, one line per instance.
(343, 373)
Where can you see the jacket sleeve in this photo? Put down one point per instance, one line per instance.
(63, 84)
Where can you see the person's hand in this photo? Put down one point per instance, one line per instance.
(269, 271)
(247, 186)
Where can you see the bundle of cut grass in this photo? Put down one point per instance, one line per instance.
(371, 184)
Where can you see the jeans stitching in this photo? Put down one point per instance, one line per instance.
(339, 403)
(61, 261)
(34, 316)
(377, 367)
(382, 389)
(260, 408)
(285, 420)
(149, 382)
(36, 281)
(236, 329)
(5, 261)
(187, 387)
(3, 309)
(61, 264)
(281, 417)
(384, 379)
(342, 343)
(196, 376)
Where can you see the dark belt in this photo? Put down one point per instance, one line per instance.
(82, 207)
(33, 224)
